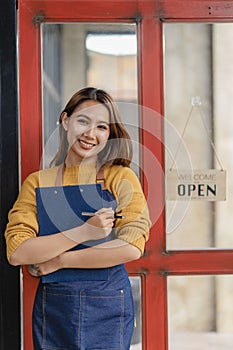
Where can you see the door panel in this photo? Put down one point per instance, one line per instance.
(55, 30)
(43, 91)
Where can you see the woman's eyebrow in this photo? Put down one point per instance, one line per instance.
(90, 118)
(103, 121)
(82, 115)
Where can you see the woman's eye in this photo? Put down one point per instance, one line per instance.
(82, 121)
(103, 127)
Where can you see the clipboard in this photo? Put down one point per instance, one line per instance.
(60, 208)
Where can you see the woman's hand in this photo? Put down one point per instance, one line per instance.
(50, 266)
(97, 227)
(100, 225)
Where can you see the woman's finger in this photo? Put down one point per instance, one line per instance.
(105, 211)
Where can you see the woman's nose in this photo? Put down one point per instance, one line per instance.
(90, 131)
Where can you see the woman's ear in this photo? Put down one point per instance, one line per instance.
(64, 120)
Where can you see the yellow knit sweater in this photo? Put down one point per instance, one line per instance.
(120, 181)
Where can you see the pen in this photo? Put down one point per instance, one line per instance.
(85, 213)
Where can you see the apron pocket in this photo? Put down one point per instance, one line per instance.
(61, 311)
(102, 320)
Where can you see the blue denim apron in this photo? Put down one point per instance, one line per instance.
(86, 314)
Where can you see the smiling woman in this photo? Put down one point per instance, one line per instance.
(90, 306)
(95, 105)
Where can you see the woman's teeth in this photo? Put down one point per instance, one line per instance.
(86, 145)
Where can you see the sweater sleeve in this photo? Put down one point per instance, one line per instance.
(134, 227)
(22, 218)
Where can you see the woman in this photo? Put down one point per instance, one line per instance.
(92, 307)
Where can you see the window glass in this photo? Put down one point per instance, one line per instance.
(198, 60)
(136, 343)
(200, 312)
(75, 55)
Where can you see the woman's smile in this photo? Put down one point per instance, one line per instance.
(88, 130)
(85, 144)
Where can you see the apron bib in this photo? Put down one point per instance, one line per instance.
(83, 309)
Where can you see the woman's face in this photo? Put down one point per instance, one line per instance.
(88, 130)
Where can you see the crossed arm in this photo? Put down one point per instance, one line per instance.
(51, 253)
(103, 255)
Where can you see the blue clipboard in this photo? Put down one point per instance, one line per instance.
(60, 208)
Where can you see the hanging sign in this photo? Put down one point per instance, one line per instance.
(207, 185)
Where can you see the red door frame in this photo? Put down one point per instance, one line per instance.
(157, 263)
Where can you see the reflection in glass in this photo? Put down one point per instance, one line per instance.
(112, 44)
(200, 312)
(52, 87)
(198, 62)
(73, 56)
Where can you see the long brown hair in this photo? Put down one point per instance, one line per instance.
(118, 150)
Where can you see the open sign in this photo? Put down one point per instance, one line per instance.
(209, 185)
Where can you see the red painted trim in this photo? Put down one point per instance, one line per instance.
(185, 262)
(30, 92)
(152, 125)
(200, 10)
(164, 10)
(29, 289)
(74, 10)
(199, 262)
(151, 85)
(155, 321)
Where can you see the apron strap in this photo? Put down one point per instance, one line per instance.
(100, 179)
(60, 174)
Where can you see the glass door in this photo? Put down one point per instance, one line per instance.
(66, 45)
